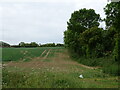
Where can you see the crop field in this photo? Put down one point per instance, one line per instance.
(16, 54)
(49, 68)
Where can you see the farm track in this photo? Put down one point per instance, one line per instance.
(47, 54)
(61, 60)
(43, 53)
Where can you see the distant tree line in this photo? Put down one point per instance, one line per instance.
(32, 44)
(52, 45)
(3, 44)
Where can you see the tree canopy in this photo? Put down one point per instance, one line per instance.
(85, 18)
(79, 22)
(85, 39)
(112, 13)
(3, 44)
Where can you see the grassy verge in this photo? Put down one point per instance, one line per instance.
(107, 64)
(44, 78)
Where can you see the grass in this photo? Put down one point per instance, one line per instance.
(57, 70)
(0, 55)
(107, 64)
(44, 78)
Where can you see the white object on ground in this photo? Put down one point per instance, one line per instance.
(81, 76)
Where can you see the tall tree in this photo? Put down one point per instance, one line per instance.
(92, 39)
(86, 18)
(117, 26)
(79, 22)
(111, 11)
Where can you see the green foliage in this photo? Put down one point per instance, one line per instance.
(111, 10)
(32, 44)
(85, 40)
(59, 45)
(86, 18)
(48, 45)
(117, 27)
(116, 52)
(109, 39)
(78, 23)
(107, 64)
(3, 44)
(92, 39)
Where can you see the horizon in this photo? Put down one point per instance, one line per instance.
(33, 41)
(41, 22)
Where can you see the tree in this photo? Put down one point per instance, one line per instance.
(92, 40)
(111, 11)
(22, 44)
(85, 18)
(79, 22)
(3, 44)
(48, 45)
(33, 44)
(59, 45)
(117, 26)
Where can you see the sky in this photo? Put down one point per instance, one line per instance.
(41, 21)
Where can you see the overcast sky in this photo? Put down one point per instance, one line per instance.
(41, 21)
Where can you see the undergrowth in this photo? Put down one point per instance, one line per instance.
(107, 64)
